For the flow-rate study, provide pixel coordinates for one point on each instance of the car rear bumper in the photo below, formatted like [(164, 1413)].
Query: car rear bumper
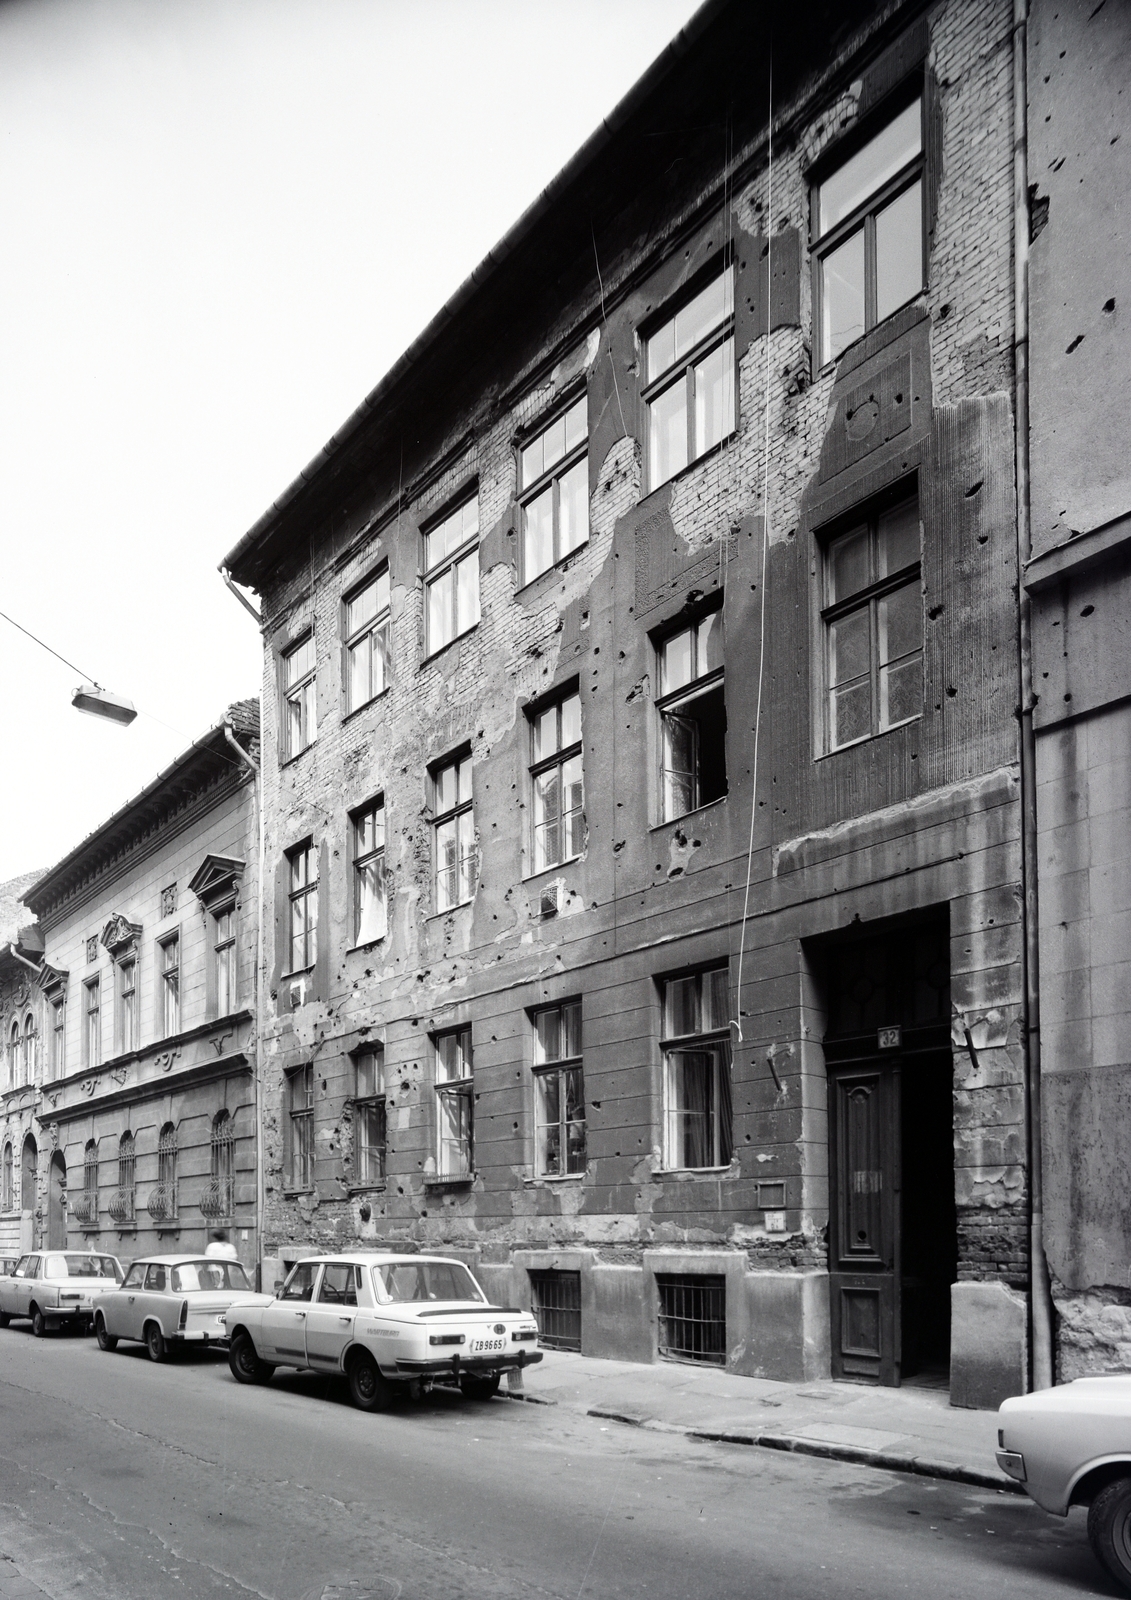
[(457, 1366)]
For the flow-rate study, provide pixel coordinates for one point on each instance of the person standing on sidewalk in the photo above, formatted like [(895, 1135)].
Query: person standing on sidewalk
[(220, 1245)]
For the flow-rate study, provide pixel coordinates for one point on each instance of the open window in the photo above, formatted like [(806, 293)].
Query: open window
[(692, 711)]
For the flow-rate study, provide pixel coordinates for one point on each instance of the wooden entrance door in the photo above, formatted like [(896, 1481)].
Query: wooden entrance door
[(864, 1192)]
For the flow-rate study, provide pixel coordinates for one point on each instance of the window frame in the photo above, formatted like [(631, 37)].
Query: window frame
[(223, 955), (127, 1162), (14, 1053), (165, 973), (379, 622), (58, 1004), (29, 1050), (222, 1161), (863, 216), (307, 891), (716, 1041), (550, 478), (868, 515), (359, 861), (299, 1154), (559, 1066), (537, 768), (90, 1186), (303, 692), (462, 1091), (452, 815), (372, 1104), (668, 703), (682, 368), (7, 1177), (457, 556), (126, 1001), (92, 1021)]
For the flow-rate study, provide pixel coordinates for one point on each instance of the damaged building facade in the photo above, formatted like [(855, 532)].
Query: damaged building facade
[(643, 878)]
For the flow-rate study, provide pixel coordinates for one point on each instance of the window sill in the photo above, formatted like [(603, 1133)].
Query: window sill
[(463, 1181), (853, 744), (348, 716), (559, 566), (529, 877), (367, 1188), (289, 761), (677, 477), (297, 1194), (877, 338), (369, 944), (426, 661), (694, 1172), (673, 822), (299, 972), (556, 1177), (460, 905)]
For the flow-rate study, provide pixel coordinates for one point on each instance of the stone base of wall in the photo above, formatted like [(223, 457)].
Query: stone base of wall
[(989, 1344), (1093, 1332)]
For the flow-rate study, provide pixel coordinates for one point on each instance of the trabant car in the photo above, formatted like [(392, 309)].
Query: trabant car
[(57, 1287), (387, 1322), (1071, 1446), (168, 1301)]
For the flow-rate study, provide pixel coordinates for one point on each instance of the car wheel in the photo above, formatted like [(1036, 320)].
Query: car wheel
[(480, 1388), (106, 1341), (368, 1389), (1109, 1530), (244, 1364), (38, 1322), (155, 1342)]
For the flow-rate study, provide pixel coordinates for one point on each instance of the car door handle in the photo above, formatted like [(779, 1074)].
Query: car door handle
[(131, 1299), (345, 1319), (300, 1313)]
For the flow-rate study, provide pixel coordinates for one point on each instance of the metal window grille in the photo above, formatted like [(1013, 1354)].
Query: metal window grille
[(557, 1308), (693, 1320)]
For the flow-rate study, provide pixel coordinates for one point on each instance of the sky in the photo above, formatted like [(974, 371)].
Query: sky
[(223, 222)]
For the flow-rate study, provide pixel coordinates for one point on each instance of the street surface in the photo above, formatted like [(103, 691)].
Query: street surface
[(122, 1480)]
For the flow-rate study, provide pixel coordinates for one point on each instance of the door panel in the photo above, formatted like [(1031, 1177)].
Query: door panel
[(864, 1234), (284, 1333)]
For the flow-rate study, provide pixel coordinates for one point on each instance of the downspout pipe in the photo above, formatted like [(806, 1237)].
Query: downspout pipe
[(32, 966), (260, 1198), (240, 596), (1040, 1297)]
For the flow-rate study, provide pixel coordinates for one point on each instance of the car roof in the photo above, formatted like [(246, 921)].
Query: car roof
[(63, 1250), (376, 1258), (176, 1260)]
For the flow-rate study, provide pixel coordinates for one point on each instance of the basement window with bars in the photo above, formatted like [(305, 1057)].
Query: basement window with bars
[(696, 1052), (556, 1299), (693, 1317)]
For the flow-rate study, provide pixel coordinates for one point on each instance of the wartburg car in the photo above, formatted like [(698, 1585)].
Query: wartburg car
[(1071, 1446), (169, 1301), (388, 1323), (55, 1288)]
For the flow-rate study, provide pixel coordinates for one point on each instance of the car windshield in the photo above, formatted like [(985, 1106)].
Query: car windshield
[(82, 1267), (425, 1280), (213, 1273)]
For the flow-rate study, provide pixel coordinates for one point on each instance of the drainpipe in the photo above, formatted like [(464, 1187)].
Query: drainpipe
[(32, 966), (260, 1197), (1040, 1299), (242, 598)]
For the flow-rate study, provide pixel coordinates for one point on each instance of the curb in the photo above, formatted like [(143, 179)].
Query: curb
[(887, 1460)]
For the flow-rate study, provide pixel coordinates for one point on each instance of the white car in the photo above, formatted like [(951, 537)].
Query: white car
[(1071, 1446), (167, 1301), (388, 1323), (57, 1287)]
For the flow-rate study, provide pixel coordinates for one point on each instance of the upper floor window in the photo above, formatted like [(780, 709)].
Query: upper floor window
[(299, 708), (302, 867), (696, 1051), (873, 625), (31, 1040), (170, 949), (454, 1094), (451, 575), (457, 861), (7, 1196), (58, 1036), (367, 827), (556, 781), (693, 723), (369, 1116), (14, 1056), (367, 641), (867, 230), (689, 380), (560, 1090), (554, 491), (224, 958), (127, 1004), (92, 1023), (300, 1154)]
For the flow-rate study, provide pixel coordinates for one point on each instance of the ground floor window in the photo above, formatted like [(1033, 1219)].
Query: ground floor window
[(557, 1308), (693, 1317)]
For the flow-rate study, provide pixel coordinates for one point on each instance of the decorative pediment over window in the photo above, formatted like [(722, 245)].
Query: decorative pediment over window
[(215, 876), (120, 934), (51, 978)]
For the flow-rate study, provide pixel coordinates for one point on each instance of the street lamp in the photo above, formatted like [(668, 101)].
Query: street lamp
[(99, 702)]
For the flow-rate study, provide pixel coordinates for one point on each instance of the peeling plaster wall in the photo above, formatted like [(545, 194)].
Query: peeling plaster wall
[(923, 816)]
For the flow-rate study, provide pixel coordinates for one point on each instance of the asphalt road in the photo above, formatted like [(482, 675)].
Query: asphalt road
[(121, 1480)]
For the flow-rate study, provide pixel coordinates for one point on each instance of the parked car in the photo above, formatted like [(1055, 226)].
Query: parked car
[(389, 1323), (1071, 1446), (57, 1287), (165, 1301)]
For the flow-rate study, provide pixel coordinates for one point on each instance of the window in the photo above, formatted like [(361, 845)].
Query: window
[(7, 1198), (556, 1305), (127, 1004), (689, 380), (90, 1183), (693, 720), (451, 575), (554, 491), (300, 1094), (58, 1036), (300, 1282), (867, 227), (873, 624), (560, 1090), (555, 774), (300, 716), (454, 1103), (30, 1041), (457, 862), (156, 1278), (170, 986), (369, 1117), (339, 1285), (696, 1051), (303, 871), (367, 641), (92, 1033), (693, 1317), (368, 829), (224, 958), (122, 1203), (220, 1196), (403, 1282), (163, 1201), (14, 1056)]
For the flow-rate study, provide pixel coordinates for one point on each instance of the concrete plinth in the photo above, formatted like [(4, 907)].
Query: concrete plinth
[(989, 1344)]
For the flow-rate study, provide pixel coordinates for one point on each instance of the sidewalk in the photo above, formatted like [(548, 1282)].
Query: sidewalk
[(902, 1430)]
